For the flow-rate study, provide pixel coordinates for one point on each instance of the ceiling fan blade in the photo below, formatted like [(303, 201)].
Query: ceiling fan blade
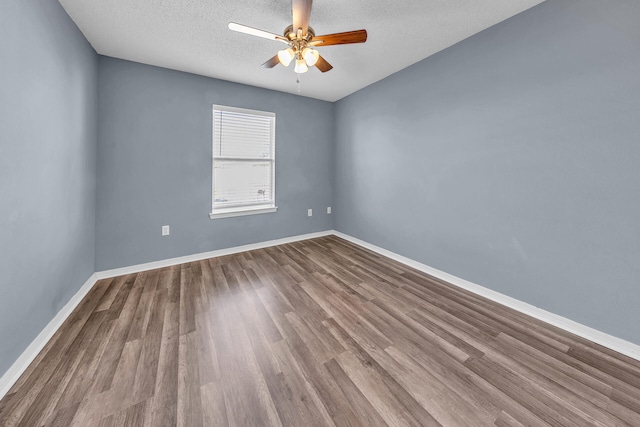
[(256, 32), (301, 11), (323, 65), (348, 37), (272, 62)]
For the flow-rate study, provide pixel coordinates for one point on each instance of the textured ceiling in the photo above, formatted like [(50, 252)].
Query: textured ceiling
[(192, 36)]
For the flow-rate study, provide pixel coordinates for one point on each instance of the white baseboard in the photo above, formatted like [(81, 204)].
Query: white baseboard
[(614, 343), (204, 255), (19, 366)]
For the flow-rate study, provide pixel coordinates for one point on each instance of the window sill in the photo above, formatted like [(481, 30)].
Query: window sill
[(228, 213)]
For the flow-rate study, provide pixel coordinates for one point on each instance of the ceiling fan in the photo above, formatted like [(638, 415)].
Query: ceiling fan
[(302, 40)]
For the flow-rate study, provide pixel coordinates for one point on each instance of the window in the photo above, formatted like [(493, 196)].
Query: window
[(243, 162)]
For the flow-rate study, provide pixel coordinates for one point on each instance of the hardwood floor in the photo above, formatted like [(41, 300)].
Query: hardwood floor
[(319, 332)]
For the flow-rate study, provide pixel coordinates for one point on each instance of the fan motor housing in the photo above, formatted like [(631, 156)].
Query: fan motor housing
[(290, 34)]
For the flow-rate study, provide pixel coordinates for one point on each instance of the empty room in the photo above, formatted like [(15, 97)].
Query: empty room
[(319, 213)]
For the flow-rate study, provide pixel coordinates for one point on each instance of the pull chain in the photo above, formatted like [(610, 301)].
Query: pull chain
[(298, 82)]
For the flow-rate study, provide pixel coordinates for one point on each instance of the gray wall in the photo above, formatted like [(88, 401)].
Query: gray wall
[(511, 160), (154, 164), (48, 81)]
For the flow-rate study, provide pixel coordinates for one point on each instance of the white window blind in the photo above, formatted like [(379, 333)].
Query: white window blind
[(243, 161)]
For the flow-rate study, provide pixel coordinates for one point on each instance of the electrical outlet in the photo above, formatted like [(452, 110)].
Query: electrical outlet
[(329, 210), (309, 212), (165, 230)]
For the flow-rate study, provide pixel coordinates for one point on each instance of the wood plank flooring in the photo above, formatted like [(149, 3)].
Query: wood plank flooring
[(319, 332)]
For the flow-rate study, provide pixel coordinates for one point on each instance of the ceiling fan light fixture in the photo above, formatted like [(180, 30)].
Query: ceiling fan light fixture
[(285, 56), (301, 40), (310, 56), (301, 66)]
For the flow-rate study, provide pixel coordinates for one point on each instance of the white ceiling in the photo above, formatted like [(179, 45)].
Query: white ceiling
[(192, 36)]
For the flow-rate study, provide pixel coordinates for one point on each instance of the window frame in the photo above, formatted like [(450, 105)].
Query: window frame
[(243, 208)]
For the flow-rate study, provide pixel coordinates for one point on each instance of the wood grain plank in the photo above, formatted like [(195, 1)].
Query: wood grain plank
[(316, 332)]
